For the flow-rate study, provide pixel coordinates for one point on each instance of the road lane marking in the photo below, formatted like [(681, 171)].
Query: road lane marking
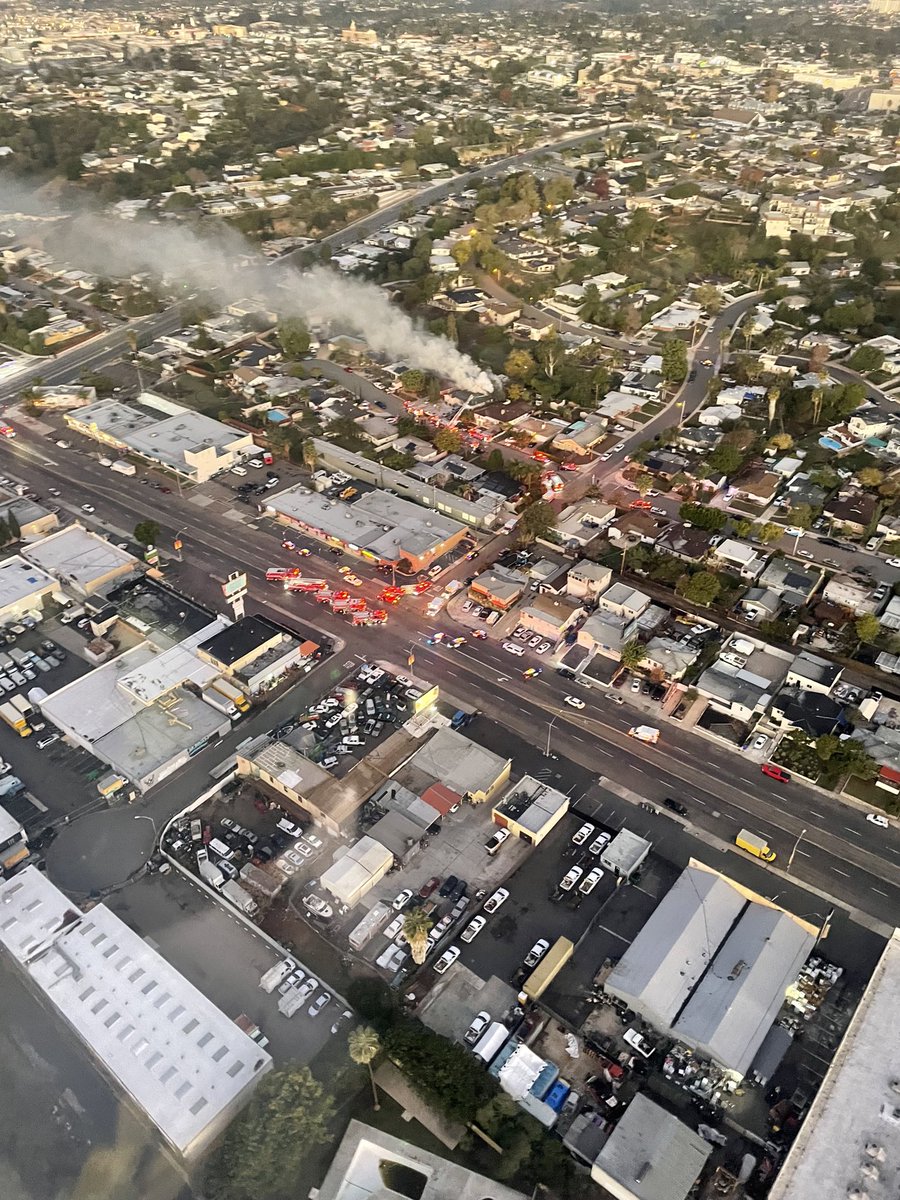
[(838, 871), (880, 892)]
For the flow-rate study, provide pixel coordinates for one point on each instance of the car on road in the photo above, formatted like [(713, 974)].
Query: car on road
[(606, 456), (878, 819), (494, 901), (590, 881), (401, 900), (479, 1024), (637, 1042), (446, 961), (571, 877), (675, 806), (582, 835), (473, 929), (88, 508), (616, 699), (354, 579), (321, 1001), (573, 701), (893, 562), (776, 772), (537, 952), (511, 648)]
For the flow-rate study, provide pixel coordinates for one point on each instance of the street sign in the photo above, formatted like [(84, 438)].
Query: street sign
[(177, 543), (235, 586), (151, 556)]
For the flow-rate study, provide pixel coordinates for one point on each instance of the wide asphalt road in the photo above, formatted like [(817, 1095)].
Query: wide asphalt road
[(840, 852)]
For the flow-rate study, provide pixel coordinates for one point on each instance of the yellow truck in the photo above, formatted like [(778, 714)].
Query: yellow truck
[(755, 845), (548, 968)]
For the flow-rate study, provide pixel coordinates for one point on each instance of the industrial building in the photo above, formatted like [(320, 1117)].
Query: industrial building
[(177, 1058), (357, 871), (162, 432), (849, 1144), (711, 966), (650, 1155), (80, 559), (255, 652), (377, 526), (531, 810), (23, 586), (472, 772)]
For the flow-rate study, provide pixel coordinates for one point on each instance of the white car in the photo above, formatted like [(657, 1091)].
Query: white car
[(573, 701), (401, 900), (569, 880), (543, 648), (87, 508), (760, 742), (583, 834), (599, 844), (446, 961), (877, 819), (323, 999), (606, 456), (614, 698), (479, 1024), (392, 930), (496, 900), (537, 952), (893, 562), (634, 1039), (473, 929), (510, 648), (590, 881)]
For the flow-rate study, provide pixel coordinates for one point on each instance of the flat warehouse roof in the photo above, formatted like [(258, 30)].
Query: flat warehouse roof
[(78, 556), (19, 580), (182, 1060)]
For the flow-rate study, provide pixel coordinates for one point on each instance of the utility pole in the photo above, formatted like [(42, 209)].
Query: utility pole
[(800, 837), (549, 730)]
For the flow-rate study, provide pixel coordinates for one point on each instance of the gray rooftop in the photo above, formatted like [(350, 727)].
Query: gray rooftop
[(19, 581), (76, 555), (450, 758), (387, 526), (650, 1154)]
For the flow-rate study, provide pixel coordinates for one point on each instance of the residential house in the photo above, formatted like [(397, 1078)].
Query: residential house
[(622, 600), (809, 672), (636, 525), (580, 437), (587, 580), (668, 657), (852, 512), (757, 486), (734, 555), (687, 543), (551, 616), (850, 594), (699, 439), (796, 585), (666, 463), (607, 633), (735, 693), (761, 604), (811, 712), (580, 523)]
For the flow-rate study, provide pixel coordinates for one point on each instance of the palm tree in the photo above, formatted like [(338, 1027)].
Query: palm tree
[(773, 395), (416, 926), (363, 1045)]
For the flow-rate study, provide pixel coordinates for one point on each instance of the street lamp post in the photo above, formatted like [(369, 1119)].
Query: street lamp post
[(800, 837), (549, 730)]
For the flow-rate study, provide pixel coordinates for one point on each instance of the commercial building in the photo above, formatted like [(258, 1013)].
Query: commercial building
[(33, 520), (13, 841), (500, 587), (470, 771), (177, 1058), (712, 965), (650, 1155), (482, 512), (116, 714), (22, 586), (162, 432), (377, 526), (531, 810), (82, 560), (371, 1165), (357, 871), (849, 1144), (255, 652)]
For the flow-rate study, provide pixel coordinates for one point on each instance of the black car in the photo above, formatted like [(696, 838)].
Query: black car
[(692, 376), (460, 890), (830, 542), (675, 806), (448, 885)]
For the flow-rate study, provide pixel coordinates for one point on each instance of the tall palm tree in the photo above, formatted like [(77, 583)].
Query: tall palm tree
[(363, 1046), (416, 926)]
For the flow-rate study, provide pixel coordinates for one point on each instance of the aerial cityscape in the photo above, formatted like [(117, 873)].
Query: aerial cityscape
[(450, 601)]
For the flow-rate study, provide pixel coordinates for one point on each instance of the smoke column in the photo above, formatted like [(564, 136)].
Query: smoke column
[(224, 264)]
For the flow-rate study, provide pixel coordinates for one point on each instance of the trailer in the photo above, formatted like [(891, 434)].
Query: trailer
[(270, 979), (232, 693), (240, 898), (222, 704), (14, 719), (371, 923), (122, 467), (291, 1002), (548, 968)]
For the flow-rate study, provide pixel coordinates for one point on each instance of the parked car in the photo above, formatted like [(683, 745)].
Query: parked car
[(428, 887), (600, 842), (537, 952), (479, 1024), (401, 900), (638, 1043), (321, 1001), (878, 819), (473, 929), (494, 901), (675, 806), (569, 880), (590, 881), (582, 835), (446, 961), (776, 772)]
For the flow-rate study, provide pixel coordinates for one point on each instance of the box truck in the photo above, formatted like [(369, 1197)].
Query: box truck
[(755, 845), (644, 733)]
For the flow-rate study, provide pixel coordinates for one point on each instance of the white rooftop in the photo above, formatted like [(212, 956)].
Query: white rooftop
[(850, 1141), (75, 555), (181, 1060), (19, 580), (170, 668)]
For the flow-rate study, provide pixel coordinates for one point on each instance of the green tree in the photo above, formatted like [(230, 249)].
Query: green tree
[(443, 1071), (866, 358), (12, 521), (520, 365), (416, 927), (265, 1149), (703, 517), (414, 381), (535, 521), (448, 441), (870, 477), (725, 459), (644, 484), (593, 309), (674, 361), (633, 654), (293, 337), (781, 441), (709, 297), (802, 516), (147, 533), (364, 1046), (310, 454), (769, 532), (867, 628), (701, 588), (494, 461)]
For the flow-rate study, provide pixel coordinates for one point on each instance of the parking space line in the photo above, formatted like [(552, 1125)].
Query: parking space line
[(614, 933)]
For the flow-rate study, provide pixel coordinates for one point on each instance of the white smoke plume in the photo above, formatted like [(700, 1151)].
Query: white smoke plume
[(224, 264)]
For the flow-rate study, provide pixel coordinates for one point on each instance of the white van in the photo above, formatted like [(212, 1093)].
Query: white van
[(239, 470)]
